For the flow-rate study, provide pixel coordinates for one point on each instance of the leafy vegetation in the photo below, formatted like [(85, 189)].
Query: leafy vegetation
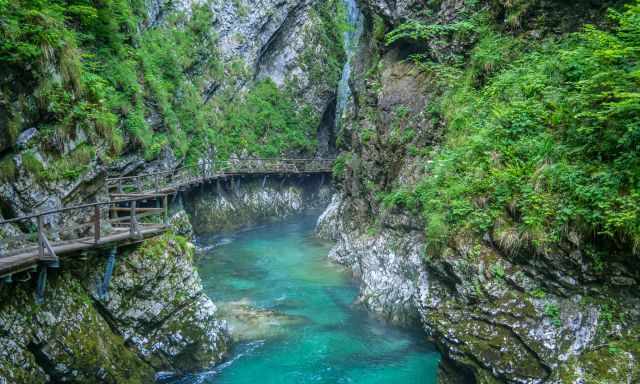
[(266, 122), (332, 23), (99, 68), (553, 312), (541, 138)]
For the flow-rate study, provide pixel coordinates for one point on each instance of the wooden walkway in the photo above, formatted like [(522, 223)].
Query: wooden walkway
[(169, 182), (32, 239), (138, 209)]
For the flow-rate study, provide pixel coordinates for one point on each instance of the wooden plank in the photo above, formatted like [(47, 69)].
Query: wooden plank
[(125, 209), (20, 262)]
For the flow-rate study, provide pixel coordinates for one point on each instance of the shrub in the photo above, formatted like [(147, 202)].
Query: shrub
[(551, 140)]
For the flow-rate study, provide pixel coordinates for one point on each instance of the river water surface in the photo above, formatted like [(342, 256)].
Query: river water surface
[(307, 329)]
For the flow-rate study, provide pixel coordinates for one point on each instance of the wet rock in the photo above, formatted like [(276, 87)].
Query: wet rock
[(156, 302), (25, 137), (483, 311), (239, 202), (155, 317), (247, 322), (65, 339), (181, 225)]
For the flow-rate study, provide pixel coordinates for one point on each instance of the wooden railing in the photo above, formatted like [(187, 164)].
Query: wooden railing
[(94, 224), (167, 181), (138, 209)]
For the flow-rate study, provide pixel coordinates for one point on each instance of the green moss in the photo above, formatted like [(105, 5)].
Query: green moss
[(327, 33), (71, 330), (156, 247), (73, 165), (33, 165), (615, 362), (114, 76), (379, 28), (8, 171)]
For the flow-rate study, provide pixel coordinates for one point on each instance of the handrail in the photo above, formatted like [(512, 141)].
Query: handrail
[(76, 207), (211, 162), (21, 242), (162, 183)]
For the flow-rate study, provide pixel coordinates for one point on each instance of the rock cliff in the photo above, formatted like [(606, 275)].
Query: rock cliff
[(153, 317), (241, 202), (497, 316), (47, 162)]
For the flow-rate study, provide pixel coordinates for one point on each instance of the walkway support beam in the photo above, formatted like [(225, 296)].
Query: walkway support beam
[(96, 223)]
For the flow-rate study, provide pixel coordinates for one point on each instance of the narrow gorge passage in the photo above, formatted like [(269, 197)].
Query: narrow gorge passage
[(293, 315)]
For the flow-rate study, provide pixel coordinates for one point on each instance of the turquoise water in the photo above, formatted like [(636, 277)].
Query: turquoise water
[(312, 331)]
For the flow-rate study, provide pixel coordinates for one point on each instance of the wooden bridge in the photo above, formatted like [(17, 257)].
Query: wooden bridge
[(137, 209), (169, 182)]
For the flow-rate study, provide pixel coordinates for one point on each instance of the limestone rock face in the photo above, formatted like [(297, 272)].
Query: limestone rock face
[(65, 339), (247, 201), (156, 302), (485, 312), (497, 315), (283, 40)]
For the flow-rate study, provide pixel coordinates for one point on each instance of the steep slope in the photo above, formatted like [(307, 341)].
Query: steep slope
[(488, 190), (154, 317), (91, 88)]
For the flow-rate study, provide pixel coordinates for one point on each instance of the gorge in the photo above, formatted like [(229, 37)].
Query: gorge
[(481, 224)]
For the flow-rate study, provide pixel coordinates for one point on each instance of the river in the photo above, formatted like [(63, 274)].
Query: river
[(295, 313)]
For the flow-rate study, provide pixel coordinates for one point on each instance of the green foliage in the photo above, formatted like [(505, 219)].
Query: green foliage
[(551, 140), (332, 23), (340, 164), (400, 198), (72, 166), (553, 311), (538, 293), (366, 135), (610, 314), (498, 271), (33, 165), (266, 122), (419, 31), (428, 35), (7, 169), (379, 28), (95, 66)]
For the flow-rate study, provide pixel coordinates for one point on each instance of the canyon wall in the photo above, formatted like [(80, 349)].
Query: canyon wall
[(499, 311), (151, 316)]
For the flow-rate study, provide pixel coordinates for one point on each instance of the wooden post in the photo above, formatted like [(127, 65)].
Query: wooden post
[(165, 212), (133, 229), (96, 223), (157, 183), (40, 220), (120, 186)]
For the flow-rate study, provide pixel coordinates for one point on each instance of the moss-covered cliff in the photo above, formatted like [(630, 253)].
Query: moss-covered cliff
[(154, 318), (488, 184), (96, 87)]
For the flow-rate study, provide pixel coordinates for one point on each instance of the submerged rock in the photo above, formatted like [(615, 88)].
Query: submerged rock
[(247, 322)]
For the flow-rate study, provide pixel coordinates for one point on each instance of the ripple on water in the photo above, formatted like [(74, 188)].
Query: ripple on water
[(294, 314)]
